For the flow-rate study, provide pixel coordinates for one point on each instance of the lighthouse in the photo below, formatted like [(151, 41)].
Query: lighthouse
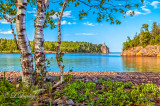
[(104, 48)]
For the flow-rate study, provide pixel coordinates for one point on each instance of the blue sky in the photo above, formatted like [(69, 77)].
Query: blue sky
[(88, 29)]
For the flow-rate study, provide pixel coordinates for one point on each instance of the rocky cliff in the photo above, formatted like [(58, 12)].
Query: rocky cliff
[(150, 51), (104, 48)]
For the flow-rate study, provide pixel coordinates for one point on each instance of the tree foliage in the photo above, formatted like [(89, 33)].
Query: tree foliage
[(107, 10), (145, 37), (9, 46)]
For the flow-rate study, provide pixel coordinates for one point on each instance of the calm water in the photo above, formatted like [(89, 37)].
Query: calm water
[(90, 62)]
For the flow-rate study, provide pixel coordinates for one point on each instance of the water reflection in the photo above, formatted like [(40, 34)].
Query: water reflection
[(141, 64), (91, 62)]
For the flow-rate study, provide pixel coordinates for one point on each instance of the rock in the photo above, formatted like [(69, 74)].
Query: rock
[(70, 102), (17, 86), (65, 97), (19, 79), (96, 81), (51, 78), (104, 49), (152, 100), (1, 78), (54, 102), (60, 102), (149, 51)]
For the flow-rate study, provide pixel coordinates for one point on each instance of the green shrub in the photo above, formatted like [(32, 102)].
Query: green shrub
[(112, 93), (9, 96)]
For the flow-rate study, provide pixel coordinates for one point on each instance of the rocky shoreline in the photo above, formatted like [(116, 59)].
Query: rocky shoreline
[(148, 51), (136, 77)]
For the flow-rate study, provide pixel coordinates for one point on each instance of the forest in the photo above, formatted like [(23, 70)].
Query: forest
[(145, 37), (9, 46)]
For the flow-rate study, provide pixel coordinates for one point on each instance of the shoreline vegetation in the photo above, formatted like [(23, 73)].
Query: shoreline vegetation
[(88, 88), (146, 43), (67, 47), (48, 52)]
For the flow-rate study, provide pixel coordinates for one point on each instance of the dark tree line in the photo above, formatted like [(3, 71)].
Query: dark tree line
[(145, 37), (9, 46)]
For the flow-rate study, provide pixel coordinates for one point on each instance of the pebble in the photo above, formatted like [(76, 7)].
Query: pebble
[(135, 77), (70, 102)]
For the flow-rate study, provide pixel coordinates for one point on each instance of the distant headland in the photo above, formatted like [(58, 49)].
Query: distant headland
[(67, 47)]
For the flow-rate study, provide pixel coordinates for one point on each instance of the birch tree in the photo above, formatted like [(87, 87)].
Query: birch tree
[(40, 64), (24, 45), (58, 52), (7, 13)]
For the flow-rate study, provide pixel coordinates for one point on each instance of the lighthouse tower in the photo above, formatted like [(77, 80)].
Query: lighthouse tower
[(104, 48)]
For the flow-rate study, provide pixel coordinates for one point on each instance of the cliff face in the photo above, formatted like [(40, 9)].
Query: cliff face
[(104, 49), (150, 51)]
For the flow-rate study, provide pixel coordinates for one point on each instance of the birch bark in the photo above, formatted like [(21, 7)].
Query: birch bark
[(40, 64), (24, 45)]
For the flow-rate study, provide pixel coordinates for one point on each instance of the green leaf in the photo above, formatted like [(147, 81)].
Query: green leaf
[(76, 4), (61, 4)]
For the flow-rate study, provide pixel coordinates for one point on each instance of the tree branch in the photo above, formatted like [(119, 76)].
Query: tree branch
[(11, 24)]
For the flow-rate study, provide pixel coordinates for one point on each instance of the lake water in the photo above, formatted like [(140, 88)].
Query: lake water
[(89, 62)]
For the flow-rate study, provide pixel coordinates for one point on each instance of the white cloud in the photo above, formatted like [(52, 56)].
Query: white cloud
[(65, 14), (147, 11), (31, 12), (54, 16), (136, 12), (3, 21), (150, 20), (144, 10), (6, 32), (84, 34), (155, 4), (90, 24), (63, 22), (69, 23)]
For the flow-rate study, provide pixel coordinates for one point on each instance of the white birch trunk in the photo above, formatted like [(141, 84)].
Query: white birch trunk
[(24, 45), (40, 64)]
